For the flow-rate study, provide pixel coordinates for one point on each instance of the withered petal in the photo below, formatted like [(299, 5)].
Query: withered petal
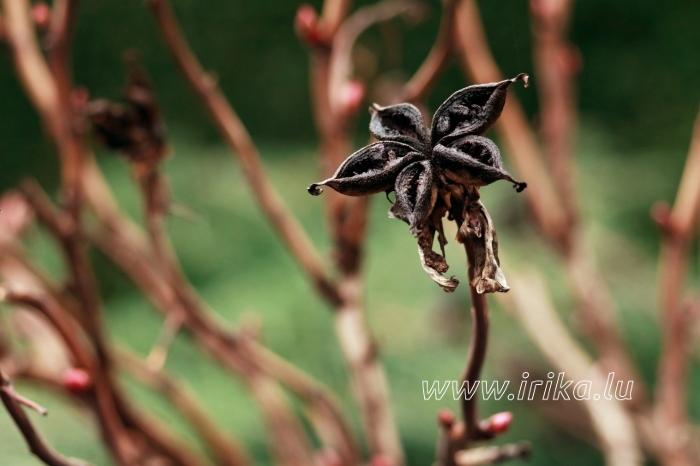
[(433, 263), (473, 161), (370, 170), (416, 193), (478, 227), (401, 123), (471, 111)]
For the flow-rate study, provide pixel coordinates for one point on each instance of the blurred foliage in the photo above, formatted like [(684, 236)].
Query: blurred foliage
[(639, 82)]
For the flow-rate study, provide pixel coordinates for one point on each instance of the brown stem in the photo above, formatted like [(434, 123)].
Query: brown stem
[(492, 455), (678, 227), (35, 441), (367, 375), (477, 350), (238, 139), (437, 60), (557, 62), (323, 410)]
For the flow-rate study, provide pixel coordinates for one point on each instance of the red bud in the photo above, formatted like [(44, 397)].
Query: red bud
[(328, 457), (446, 418), (15, 214), (497, 424), (380, 460), (76, 380), (306, 25), (351, 96), (41, 15)]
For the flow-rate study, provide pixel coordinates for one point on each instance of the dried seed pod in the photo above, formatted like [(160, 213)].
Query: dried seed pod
[(473, 161), (436, 171), (401, 123), (370, 170), (416, 193), (471, 111)]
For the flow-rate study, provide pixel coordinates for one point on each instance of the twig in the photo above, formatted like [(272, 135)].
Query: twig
[(512, 126), (438, 58), (126, 245), (333, 14), (556, 63), (612, 424), (324, 412), (239, 141), (71, 333), (35, 441), (340, 70), (159, 353), (226, 450), (367, 375), (678, 227), (492, 455), (59, 44)]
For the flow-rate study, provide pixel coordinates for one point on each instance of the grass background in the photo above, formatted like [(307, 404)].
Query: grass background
[(240, 268)]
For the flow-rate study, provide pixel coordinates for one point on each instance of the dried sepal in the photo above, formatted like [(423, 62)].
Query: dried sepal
[(478, 227), (370, 170), (433, 263), (471, 111), (416, 193), (401, 123), (473, 161)]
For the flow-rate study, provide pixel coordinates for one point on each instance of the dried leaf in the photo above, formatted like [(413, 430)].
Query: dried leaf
[(470, 111), (433, 263), (477, 226), (370, 170), (401, 123)]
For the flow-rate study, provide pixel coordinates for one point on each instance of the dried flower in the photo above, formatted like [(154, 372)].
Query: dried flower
[(435, 172), (136, 130)]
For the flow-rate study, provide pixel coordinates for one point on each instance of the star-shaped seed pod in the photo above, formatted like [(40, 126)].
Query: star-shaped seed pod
[(434, 172)]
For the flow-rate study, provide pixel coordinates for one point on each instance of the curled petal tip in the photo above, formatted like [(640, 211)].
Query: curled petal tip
[(519, 187), (522, 77), (314, 190)]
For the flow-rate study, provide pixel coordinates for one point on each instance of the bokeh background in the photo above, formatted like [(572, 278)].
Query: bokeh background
[(639, 91)]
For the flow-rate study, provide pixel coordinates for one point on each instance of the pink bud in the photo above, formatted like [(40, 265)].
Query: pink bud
[(380, 460), (351, 96), (328, 457), (76, 380), (446, 417), (79, 97), (497, 424), (15, 214), (41, 15), (306, 25)]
